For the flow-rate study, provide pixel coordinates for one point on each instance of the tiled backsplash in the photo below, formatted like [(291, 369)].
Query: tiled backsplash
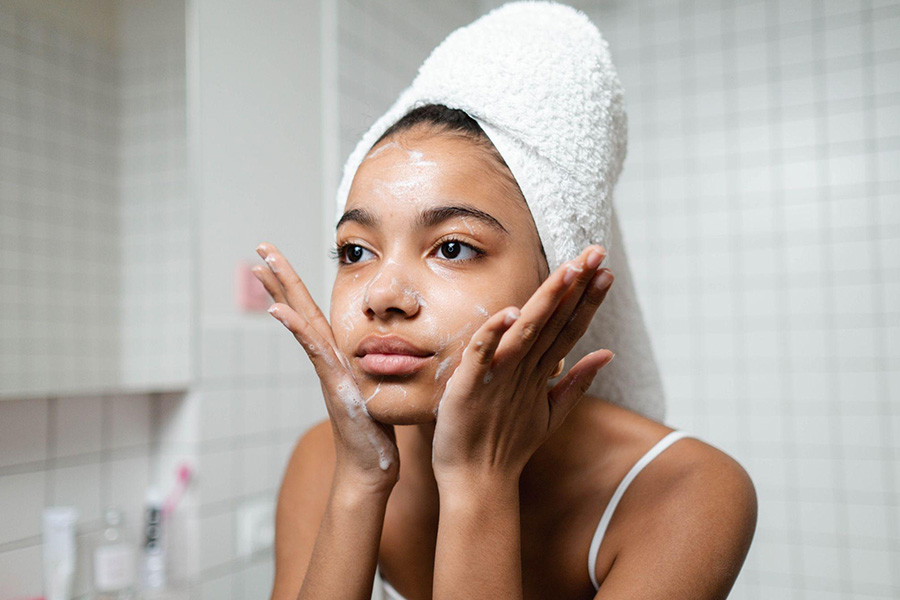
[(88, 452)]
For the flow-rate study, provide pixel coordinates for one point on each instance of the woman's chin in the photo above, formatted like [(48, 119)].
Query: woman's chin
[(399, 404)]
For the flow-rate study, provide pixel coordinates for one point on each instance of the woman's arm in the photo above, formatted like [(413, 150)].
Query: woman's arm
[(479, 548), (326, 536), (346, 550)]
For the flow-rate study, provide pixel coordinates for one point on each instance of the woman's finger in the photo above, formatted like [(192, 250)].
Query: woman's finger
[(484, 343), (580, 320), (298, 297), (318, 349), (582, 274), (539, 308), (570, 389), (270, 282)]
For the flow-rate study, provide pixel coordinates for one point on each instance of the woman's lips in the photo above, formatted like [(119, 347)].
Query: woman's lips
[(393, 364)]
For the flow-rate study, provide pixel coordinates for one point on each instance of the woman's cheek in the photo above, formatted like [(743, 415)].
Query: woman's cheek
[(346, 309)]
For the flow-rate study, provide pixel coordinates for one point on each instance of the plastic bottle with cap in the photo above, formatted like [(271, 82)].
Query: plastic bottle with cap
[(114, 560), (59, 551)]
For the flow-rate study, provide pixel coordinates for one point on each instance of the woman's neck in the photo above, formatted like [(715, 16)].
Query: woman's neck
[(417, 474)]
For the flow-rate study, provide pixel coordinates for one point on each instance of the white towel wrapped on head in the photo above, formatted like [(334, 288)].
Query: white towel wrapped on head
[(538, 78)]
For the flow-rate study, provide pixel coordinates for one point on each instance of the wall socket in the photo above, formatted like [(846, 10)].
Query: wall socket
[(254, 527)]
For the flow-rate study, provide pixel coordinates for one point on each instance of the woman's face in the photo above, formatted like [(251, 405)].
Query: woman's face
[(432, 243)]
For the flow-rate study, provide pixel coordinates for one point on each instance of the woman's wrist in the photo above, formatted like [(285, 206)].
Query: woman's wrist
[(351, 488), (475, 486)]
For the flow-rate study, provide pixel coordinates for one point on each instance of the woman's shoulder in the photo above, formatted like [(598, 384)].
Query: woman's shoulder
[(692, 496), (684, 484)]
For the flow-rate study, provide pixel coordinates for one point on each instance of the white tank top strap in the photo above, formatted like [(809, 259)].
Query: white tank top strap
[(620, 490), (389, 592)]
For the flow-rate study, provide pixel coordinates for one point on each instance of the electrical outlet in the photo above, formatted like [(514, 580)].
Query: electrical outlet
[(255, 527)]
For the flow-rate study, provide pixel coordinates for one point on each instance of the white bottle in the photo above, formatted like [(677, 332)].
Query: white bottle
[(153, 550), (114, 560), (59, 551)]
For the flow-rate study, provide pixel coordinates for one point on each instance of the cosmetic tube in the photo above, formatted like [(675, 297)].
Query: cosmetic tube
[(153, 555), (59, 551)]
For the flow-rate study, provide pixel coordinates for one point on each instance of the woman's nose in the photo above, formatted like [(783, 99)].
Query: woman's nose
[(391, 292)]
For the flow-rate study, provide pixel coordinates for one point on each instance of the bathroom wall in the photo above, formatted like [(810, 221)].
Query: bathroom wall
[(59, 231), (761, 207), (92, 185), (255, 149), (155, 212), (96, 292)]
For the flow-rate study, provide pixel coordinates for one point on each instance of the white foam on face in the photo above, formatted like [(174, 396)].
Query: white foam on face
[(417, 296), (371, 281), (415, 159), (465, 221), (355, 307), (442, 367), (377, 388), (378, 151), (424, 173)]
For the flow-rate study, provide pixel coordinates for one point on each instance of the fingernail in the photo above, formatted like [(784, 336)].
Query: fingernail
[(571, 272), (261, 250), (270, 260), (272, 310), (593, 258), (511, 317), (604, 279)]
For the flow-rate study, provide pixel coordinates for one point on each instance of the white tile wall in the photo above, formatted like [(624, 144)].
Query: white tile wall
[(82, 463), (380, 48), (95, 218), (156, 217), (92, 148), (759, 202), (58, 215)]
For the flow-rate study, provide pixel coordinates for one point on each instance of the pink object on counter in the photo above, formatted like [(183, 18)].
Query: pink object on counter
[(250, 293)]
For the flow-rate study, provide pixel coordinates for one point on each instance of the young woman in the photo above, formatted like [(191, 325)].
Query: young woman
[(470, 218), (493, 481)]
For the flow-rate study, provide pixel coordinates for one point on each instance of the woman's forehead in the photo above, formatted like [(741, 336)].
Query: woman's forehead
[(414, 176)]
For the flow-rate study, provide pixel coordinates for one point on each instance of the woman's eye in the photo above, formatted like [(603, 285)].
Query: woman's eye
[(353, 253), (453, 248)]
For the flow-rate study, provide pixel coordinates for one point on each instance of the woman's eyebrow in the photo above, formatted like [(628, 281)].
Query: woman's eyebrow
[(427, 218)]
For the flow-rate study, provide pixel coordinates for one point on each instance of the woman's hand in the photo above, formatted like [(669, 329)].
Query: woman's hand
[(366, 449), (496, 410)]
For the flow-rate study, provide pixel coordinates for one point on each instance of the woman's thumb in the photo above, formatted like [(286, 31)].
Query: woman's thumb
[(571, 388)]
